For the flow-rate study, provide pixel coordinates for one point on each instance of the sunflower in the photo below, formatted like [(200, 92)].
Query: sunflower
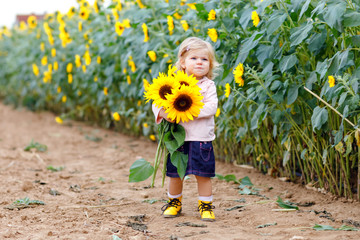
[(35, 69), (212, 15), (119, 28), (71, 12), (146, 32), (32, 21), (170, 22), (227, 90), (184, 104), (186, 80), (238, 73), (331, 81), (152, 55), (160, 88), (84, 13), (255, 18), (185, 25), (212, 34)]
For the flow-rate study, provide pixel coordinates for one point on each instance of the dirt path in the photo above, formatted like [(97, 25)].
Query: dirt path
[(95, 174)]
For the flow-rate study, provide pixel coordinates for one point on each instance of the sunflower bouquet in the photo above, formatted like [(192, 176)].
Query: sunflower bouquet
[(178, 94)]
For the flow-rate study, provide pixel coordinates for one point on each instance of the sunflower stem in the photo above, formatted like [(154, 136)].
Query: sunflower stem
[(164, 166), (157, 155)]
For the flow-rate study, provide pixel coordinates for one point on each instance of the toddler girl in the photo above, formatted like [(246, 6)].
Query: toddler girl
[(196, 57)]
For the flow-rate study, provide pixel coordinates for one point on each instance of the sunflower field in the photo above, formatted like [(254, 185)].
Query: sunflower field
[(288, 86)]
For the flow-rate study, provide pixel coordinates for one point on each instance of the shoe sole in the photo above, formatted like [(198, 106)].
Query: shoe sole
[(208, 220), (172, 216)]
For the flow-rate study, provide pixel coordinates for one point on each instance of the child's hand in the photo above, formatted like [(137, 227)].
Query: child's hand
[(164, 115)]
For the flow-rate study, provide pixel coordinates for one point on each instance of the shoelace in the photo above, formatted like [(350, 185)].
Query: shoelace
[(205, 207), (172, 203)]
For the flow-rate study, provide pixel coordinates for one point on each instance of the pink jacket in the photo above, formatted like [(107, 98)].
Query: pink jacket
[(202, 127)]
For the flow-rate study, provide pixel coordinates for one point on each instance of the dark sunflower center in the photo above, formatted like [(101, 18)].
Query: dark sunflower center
[(121, 28), (184, 83), (82, 13), (166, 89), (183, 102)]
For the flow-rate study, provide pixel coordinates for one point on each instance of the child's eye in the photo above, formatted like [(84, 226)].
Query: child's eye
[(193, 58), (204, 59)]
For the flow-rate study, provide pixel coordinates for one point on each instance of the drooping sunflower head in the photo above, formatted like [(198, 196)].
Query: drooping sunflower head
[(184, 104), (160, 88)]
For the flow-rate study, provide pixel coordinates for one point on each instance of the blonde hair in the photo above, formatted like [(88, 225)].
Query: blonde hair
[(194, 43)]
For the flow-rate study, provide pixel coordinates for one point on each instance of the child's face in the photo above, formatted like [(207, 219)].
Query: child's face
[(197, 62)]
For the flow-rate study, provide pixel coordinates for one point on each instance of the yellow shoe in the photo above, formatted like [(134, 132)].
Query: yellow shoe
[(172, 208), (206, 211)]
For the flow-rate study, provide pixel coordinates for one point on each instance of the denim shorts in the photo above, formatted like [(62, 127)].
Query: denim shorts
[(201, 160)]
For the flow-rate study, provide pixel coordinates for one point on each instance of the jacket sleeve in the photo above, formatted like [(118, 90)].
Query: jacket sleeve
[(156, 112), (210, 101)]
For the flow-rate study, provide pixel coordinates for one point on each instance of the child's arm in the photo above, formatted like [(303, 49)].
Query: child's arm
[(159, 114), (210, 101)]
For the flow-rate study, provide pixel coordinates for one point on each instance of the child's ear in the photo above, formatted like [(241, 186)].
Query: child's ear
[(182, 63)]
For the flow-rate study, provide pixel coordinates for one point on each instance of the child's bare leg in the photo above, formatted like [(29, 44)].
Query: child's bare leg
[(204, 186), (175, 186)]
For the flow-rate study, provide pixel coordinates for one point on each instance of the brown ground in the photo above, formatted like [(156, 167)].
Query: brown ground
[(97, 202)]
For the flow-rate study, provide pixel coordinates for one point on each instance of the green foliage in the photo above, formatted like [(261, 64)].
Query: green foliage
[(271, 122), (24, 203), (319, 227), (35, 145), (282, 204), (55, 169), (140, 170)]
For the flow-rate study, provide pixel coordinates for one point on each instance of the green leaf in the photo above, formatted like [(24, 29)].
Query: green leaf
[(287, 62), (319, 117), (55, 169), (170, 142), (285, 205), (246, 181), (319, 227), (246, 191), (39, 147), (219, 176), (292, 94), (140, 170), (299, 34), (263, 52), (178, 133), (304, 8), (334, 12), (247, 45), (322, 67), (317, 41), (352, 19), (180, 160), (356, 40), (348, 228), (114, 237), (275, 21), (231, 177)]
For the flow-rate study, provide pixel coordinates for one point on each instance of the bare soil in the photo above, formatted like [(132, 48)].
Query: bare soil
[(91, 197)]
